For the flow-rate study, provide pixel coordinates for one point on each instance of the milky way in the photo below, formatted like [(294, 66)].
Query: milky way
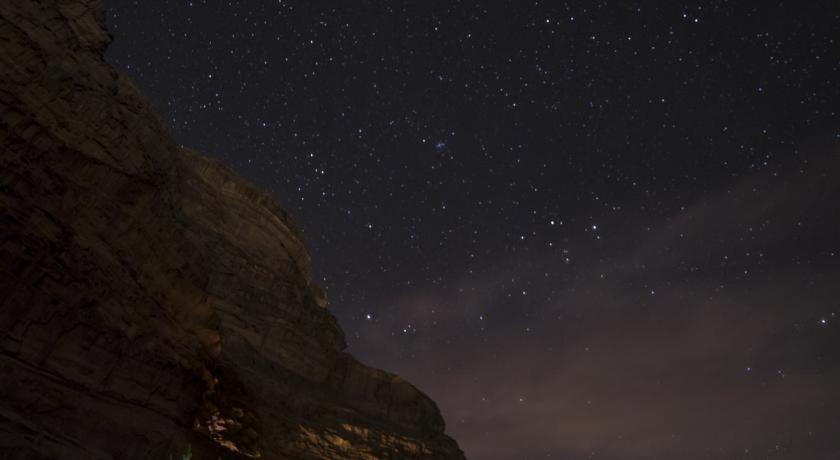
[(587, 229)]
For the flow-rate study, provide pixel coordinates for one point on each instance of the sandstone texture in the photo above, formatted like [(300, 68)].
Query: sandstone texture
[(152, 301)]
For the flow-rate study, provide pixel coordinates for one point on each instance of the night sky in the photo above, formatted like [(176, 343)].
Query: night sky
[(587, 229)]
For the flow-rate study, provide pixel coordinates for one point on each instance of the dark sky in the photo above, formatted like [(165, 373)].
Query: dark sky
[(587, 229)]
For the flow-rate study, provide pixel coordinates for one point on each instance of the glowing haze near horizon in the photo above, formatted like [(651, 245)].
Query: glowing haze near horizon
[(587, 229)]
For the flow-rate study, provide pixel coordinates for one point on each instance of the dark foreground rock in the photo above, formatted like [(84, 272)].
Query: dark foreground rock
[(150, 299)]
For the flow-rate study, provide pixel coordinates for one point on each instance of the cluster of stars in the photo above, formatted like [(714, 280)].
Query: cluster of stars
[(488, 180)]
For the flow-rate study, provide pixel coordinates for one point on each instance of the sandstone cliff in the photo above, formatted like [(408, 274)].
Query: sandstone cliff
[(151, 299)]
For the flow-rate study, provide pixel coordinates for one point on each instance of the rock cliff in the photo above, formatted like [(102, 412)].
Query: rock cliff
[(152, 301)]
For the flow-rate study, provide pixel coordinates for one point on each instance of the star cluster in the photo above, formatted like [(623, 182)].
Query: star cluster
[(587, 229)]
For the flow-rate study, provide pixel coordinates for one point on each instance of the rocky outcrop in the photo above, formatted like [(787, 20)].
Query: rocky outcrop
[(153, 301)]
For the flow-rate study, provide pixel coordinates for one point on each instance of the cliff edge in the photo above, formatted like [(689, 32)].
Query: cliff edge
[(153, 301)]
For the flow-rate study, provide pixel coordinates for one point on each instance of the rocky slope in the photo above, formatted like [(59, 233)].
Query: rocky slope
[(151, 299)]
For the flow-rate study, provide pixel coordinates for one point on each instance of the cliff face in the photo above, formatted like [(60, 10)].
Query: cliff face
[(151, 299)]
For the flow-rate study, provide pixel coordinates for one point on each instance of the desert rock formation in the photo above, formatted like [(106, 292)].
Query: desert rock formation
[(151, 299)]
